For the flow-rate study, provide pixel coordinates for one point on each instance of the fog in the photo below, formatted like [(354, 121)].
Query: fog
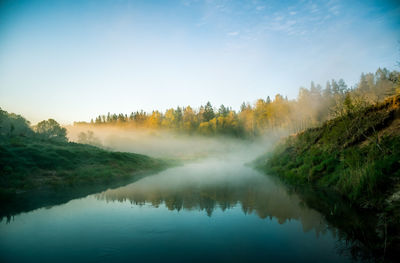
[(214, 173), (166, 144), (215, 177), (211, 184)]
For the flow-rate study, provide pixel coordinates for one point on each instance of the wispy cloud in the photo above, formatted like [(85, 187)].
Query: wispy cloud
[(260, 8), (232, 34), (189, 2), (335, 10), (314, 8)]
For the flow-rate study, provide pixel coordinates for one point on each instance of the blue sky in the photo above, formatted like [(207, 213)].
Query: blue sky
[(72, 60)]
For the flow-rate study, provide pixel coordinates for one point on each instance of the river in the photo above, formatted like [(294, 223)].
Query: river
[(215, 209)]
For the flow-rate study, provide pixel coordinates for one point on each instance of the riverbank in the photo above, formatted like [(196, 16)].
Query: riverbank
[(31, 163), (357, 156)]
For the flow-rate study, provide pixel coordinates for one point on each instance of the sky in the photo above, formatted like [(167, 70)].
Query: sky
[(73, 60)]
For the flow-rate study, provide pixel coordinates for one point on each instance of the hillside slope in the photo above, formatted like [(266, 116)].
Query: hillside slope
[(40, 156), (31, 163), (357, 156)]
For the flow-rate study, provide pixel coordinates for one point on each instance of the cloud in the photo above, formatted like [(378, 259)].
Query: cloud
[(314, 8), (232, 34), (260, 8), (292, 13), (334, 10), (188, 2)]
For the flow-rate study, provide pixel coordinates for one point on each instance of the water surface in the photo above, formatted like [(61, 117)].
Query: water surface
[(212, 210)]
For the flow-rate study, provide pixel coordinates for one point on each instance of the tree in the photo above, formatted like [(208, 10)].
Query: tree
[(223, 111), (178, 117), (208, 113), (261, 114), (342, 86), (14, 125), (121, 118), (154, 121), (50, 129), (327, 92), (169, 119), (189, 119), (246, 119), (88, 138), (335, 87), (98, 120)]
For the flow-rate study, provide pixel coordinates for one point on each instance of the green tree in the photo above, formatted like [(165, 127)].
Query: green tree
[(178, 117), (223, 111), (208, 113), (13, 124), (50, 129)]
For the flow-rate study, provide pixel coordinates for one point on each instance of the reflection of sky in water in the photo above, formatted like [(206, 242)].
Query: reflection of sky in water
[(202, 211)]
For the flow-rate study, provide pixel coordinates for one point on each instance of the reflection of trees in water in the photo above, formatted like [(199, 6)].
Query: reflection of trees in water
[(355, 232), (256, 195), (358, 231)]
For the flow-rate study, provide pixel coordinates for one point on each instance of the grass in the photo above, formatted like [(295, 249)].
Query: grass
[(28, 162), (357, 157), (350, 154)]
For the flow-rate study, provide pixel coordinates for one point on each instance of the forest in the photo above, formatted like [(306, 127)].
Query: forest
[(313, 106)]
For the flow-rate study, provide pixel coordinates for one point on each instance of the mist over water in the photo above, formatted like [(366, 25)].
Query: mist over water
[(168, 144), (211, 209), (215, 177), (218, 184)]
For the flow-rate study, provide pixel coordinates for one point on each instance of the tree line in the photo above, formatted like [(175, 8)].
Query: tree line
[(14, 125), (312, 106)]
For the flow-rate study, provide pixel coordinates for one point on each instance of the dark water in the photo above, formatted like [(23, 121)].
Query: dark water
[(214, 210)]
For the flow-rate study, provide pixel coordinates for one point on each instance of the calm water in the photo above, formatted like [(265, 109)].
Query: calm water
[(214, 210)]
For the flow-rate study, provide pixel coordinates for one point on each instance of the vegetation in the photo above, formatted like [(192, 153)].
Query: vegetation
[(88, 138), (356, 154), (50, 129), (312, 107), (43, 157)]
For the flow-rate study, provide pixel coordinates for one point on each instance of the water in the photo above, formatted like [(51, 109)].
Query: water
[(213, 210)]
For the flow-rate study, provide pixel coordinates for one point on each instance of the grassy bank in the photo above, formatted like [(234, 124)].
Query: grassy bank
[(40, 157), (31, 163), (356, 155)]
